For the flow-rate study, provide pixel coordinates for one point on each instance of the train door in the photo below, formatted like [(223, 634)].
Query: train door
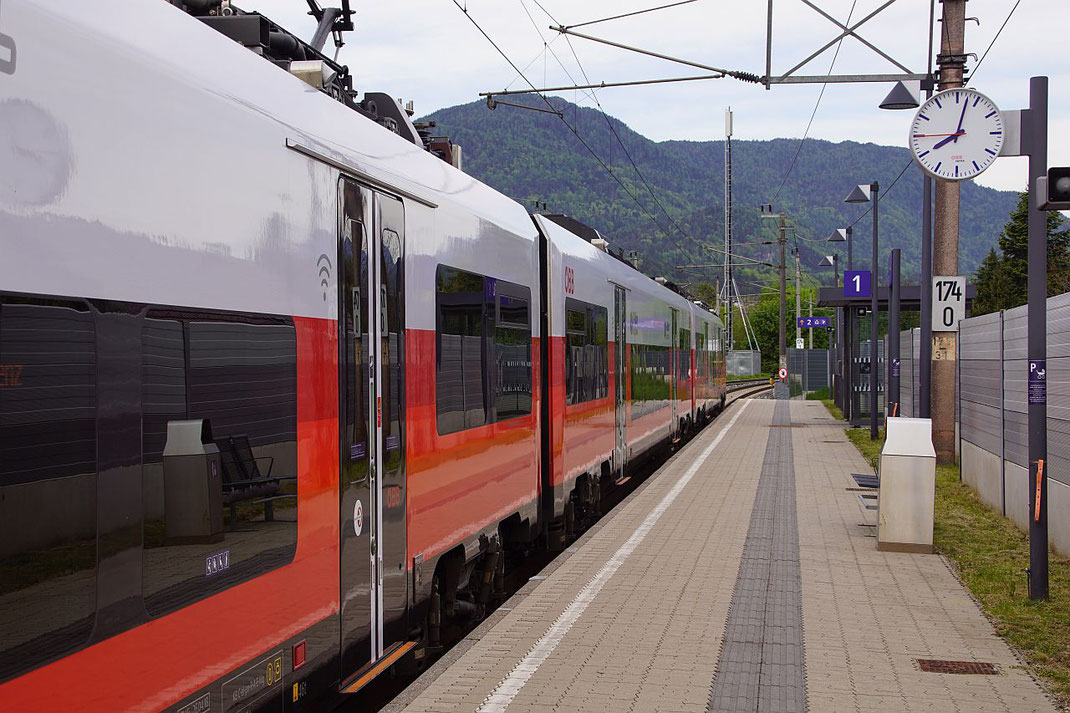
[(620, 454), (372, 474), (674, 367)]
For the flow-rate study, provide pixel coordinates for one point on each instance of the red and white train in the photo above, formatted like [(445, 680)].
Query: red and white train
[(281, 391)]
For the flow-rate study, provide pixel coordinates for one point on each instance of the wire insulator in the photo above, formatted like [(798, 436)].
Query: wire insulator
[(746, 77)]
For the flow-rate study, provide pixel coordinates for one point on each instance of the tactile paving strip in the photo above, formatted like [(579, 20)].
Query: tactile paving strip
[(761, 666)]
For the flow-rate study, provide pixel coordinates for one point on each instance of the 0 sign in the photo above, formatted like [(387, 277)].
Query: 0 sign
[(949, 303)]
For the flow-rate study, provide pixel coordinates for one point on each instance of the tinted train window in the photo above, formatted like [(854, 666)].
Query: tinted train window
[(586, 357), (48, 480), (481, 322), (650, 378), (512, 353), (219, 396), (683, 369), (459, 361)]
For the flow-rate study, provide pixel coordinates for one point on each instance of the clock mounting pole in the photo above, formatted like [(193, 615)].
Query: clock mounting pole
[(945, 255)]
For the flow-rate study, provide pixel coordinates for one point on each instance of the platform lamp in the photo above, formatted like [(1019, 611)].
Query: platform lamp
[(903, 97), (871, 194), (843, 235), (834, 262)]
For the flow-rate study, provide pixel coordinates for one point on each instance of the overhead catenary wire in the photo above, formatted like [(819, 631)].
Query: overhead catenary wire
[(629, 14), (989, 48), (817, 104), (560, 116), (627, 153)]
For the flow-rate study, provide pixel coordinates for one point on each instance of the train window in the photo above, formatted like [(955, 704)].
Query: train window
[(512, 352), (683, 368), (219, 403), (650, 378), (587, 357), (48, 480), (459, 365)]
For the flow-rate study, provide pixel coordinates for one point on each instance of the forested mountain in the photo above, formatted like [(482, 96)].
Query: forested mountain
[(534, 156)]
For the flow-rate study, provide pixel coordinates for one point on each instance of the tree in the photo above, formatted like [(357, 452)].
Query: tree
[(996, 289), (1001, 279)]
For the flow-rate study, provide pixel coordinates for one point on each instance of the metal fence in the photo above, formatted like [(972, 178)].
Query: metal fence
[(743, 362), (909, 373), (808, 370), (993, 416)]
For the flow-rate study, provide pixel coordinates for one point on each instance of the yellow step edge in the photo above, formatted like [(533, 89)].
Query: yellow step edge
[(390, 657)]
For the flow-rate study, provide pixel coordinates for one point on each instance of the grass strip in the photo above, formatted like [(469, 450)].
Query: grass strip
[(991, 555)]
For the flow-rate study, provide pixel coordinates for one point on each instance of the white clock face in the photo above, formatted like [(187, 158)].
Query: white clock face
[(956, 134)]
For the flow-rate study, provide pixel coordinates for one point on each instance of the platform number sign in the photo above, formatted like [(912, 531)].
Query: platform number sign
[(856, 283), (949, 303)]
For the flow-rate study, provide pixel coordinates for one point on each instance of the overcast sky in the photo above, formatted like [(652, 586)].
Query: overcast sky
[(427, 51)]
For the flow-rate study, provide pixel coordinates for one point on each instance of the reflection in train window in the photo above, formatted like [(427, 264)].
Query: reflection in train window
[(512, 353), (48, 480), (650, 378), (480, 321), (459, 351), (586, 357), (219, 399), (683, 366)]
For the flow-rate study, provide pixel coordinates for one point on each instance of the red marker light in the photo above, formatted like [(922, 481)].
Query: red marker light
[(299, 654)]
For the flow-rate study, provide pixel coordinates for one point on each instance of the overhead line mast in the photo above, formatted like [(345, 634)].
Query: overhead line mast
[(729, 291)]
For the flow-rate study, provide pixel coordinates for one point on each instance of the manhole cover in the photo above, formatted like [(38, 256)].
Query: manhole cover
[(939, 666)]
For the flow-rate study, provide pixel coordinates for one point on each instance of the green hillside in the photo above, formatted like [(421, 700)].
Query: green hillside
[(534, 156)]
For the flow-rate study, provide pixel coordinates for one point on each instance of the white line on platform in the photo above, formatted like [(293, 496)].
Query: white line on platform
[(510, 686)]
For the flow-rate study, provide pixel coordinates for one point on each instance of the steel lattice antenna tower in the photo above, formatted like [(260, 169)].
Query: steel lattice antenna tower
[(729, 283)]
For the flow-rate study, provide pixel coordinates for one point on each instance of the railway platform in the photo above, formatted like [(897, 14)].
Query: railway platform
[(742, 576)]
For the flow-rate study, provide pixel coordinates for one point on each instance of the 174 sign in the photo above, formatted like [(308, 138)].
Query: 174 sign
[(949, 303)]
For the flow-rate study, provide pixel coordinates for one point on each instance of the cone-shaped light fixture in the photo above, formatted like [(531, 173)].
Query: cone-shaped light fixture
[(839, 235), (900, 98), (860, 194)]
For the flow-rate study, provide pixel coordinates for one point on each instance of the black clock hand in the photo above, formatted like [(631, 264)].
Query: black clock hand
[(961, 117), (951, 137)]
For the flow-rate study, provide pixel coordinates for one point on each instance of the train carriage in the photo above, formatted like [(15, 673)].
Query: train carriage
[(207, 261), (275, 397)]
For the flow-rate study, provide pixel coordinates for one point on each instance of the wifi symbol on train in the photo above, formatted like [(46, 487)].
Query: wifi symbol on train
[(324, 265)]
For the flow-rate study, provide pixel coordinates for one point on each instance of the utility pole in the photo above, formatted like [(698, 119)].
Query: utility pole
[(729, 283), (783, 241), (951, 62), (798, 297)]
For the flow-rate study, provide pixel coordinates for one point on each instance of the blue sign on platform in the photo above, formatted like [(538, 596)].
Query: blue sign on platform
[(856, 283), (805, 322), (1038, 382)]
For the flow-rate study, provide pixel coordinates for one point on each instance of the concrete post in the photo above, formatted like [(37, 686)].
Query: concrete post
[(946, 241)]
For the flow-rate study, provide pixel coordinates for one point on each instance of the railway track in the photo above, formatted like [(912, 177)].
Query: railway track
[(746, 383)]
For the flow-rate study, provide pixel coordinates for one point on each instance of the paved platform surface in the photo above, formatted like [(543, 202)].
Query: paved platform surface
[(738, 578)]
